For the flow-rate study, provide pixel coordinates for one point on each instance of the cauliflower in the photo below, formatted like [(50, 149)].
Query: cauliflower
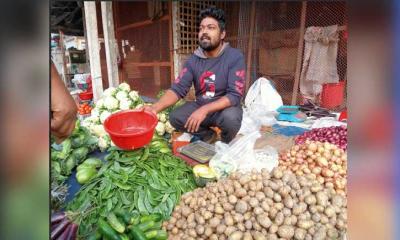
[(98, 130), (139, 106), (125, 104), (95, 113), (121, 95), (103, 143), (124, 87), (162, 117), (134, 95), (99, 104), (111, 103), (160, 128), (104, 115), (169, 128), (109, 92)]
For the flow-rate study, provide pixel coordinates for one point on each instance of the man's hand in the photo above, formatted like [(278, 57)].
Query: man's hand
[(63, 108), (150, 108), (194, 121)]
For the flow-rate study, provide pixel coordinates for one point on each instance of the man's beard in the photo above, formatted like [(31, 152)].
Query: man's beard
[(208, 45)]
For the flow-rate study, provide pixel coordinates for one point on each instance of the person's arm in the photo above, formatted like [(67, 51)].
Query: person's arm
[(233, 95), (63, 108), (178, 90)]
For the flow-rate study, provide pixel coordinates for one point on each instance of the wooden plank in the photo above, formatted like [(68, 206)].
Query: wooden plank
[(93, 48), (250, 44), (110, 43), (299, 52), (141, 24), (148, 64), (170, 42), (157, 76), (176, 38)]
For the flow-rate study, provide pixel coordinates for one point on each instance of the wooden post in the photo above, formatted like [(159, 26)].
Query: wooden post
[(175, 38), (109, 43), (64, 65), (250, 45), (299, 52), (170, 40), (93, 48)]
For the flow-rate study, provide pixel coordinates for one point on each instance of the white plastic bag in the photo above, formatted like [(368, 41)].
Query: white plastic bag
[(263, 93), (240, 156)]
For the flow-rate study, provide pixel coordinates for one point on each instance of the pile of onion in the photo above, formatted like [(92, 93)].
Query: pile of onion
[(324, 160), (335, 135)]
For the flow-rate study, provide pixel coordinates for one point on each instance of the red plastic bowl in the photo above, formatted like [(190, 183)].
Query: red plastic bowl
[(86, 95), (131, 129)]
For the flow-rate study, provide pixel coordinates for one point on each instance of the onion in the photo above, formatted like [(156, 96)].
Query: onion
[(334, 135)]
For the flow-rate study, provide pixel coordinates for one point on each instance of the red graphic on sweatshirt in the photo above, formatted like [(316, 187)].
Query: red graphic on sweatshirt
[(239, 84), (206, 80), (178, 79)]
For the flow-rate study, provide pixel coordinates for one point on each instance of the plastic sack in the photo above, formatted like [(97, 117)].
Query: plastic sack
[(261, 92), (255, 118), (240, 156)]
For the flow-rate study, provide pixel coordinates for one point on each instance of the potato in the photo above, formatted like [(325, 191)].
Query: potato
[(272, 236), (287, 221), (269, 192), (300, 234), (247, 215), (288, 202), (322, 198), (258, 236), (258, 210), (305, 224), (257, 226), (279, 218), (277, 173), (238, 218), (277, 197), (248, 224), (229, 220), (260, 196), (200, 229), (241, 207), (332, 233), (232, 199), (264, 220), (237, 235), (214, 222), (253, 202), (208, 231), (192, 233), (214, 237), (199, 219), (219, 210), (229, 230), (244, 179), (320, 234), (286, 231), (330, 211), (247, 236), (273, 228), (221, 229), (316, 217), (207, 215), (337, 200)]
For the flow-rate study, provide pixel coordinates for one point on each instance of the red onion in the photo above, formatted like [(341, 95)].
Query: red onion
[(335, 135)]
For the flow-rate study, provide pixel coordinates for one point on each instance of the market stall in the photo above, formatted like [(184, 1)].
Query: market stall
[(99, 189)]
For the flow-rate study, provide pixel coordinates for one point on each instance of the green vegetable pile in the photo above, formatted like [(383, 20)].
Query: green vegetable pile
[(64, 158), (149, 180), (125, 225)]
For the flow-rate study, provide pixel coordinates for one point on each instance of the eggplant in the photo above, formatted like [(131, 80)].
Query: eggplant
[(59, 229), (72, 232), (57, 217), (65, 233)]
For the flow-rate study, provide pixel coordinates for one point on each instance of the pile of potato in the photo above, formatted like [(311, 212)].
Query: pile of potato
[(324, 160), (260, 205)]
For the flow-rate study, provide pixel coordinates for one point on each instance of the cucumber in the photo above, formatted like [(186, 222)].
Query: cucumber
[(124, 215), (124, 236), (156, 235), (145, 226), (136, 233), (107, 231), (152, 217), (115, 223), (135, 220)]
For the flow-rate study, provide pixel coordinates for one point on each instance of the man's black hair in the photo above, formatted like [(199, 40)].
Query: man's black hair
[(216, 13)]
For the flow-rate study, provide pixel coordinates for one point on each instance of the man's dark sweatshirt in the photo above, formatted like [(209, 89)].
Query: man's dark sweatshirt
[(213, 78)]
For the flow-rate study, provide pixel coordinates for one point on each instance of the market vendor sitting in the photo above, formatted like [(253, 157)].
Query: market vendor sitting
[(217, 72)]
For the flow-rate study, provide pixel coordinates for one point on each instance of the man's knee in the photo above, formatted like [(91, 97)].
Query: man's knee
[(231, 118), (174, 119)]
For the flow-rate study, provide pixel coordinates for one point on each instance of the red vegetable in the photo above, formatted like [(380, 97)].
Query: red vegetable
[(335, 135)]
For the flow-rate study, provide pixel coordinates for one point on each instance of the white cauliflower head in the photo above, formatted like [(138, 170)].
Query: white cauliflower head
[(125, 104), (160, 128), (139, 106), (169, 128), (124, 87), (103, 143), (104, 115), (121, 95), (99, 104), (95, 112), (111, 103), (134, 95), (109, 92), (98, 130), (162, 117)]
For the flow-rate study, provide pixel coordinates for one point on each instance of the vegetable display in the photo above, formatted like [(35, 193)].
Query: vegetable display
[(84, 109), (87, 170), (120, 225), (325, 161), (335, 135), (260, 205), (149, 180), (62, 227)]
